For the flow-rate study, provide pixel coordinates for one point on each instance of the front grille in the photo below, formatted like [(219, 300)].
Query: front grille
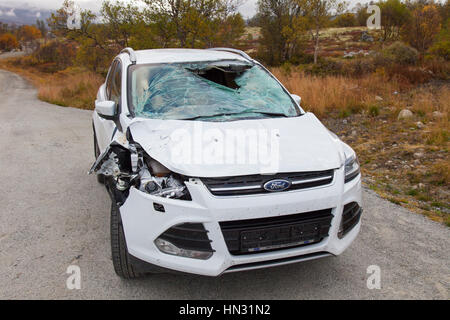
[(253, 184), (275, 233), (350, 218), (190, 236)]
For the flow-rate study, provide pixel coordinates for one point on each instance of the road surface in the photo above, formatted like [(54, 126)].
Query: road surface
[(53, 215)]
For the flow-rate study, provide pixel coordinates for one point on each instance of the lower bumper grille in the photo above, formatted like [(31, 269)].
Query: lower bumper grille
[(350, 218), (190, 236), (275, 233)]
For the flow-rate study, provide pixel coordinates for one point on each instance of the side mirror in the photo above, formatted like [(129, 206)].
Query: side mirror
[(296, 98), (106, 109)]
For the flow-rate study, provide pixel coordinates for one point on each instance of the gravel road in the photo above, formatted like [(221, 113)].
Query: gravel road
[(53, 215)]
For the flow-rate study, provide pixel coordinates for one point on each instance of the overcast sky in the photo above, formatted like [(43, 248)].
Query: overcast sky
[(248, 9)]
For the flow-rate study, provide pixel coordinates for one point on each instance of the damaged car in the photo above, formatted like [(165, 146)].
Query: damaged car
[(212, 166)]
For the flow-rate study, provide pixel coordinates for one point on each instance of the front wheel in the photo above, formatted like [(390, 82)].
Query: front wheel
[(120, 257)]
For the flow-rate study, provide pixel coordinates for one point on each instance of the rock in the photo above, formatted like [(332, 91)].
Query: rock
[(344, 121), (417, 162), (438, 115), (421, 186), (405, 114), (406, 167), (350, 54), (418, 155), (366, 37), (354, 133), (419, 125), (378, 98)]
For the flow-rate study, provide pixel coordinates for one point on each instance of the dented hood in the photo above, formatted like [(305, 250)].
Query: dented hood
[(244, 147)]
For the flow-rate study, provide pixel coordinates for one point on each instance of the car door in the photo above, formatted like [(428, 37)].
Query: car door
[(105, 129)]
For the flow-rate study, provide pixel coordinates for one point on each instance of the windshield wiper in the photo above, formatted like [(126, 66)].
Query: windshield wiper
[(211, 116), (278, 114)]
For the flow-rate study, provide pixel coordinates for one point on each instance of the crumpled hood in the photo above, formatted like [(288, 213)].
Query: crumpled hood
[(244, 147)]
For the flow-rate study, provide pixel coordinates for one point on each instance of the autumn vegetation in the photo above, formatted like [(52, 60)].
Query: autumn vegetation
[(357, 80)]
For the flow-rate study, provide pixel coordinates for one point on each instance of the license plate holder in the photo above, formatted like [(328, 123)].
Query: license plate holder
[(265, 239)]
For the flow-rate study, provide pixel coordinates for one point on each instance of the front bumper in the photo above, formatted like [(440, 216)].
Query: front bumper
[(142, 224)]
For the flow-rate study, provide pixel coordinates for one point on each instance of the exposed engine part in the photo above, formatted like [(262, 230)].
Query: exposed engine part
[(110, 167), (151, 187), (122, 185), (168, 187), (157, 168), (126, 167), (136, 158)]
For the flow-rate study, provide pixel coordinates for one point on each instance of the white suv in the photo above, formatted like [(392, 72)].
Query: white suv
[(213, 167)]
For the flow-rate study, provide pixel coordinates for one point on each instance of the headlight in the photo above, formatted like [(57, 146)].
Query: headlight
[(352, 169)]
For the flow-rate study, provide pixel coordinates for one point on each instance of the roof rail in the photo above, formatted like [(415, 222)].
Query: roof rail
[(131, 53), (236, 51)]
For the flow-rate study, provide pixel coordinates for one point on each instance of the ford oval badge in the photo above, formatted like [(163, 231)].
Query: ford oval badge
[(276, 185)]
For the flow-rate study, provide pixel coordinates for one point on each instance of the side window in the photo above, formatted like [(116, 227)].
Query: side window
[(109, 80), (116, 86)]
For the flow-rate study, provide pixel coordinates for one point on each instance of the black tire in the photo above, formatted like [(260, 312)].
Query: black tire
[(100, 177), (119, 251)]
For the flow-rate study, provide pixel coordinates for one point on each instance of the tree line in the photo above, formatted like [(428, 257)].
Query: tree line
[(153, 24), (287, 28)]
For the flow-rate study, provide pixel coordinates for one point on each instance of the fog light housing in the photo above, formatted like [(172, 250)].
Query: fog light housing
[(189, 240), (169, 248)]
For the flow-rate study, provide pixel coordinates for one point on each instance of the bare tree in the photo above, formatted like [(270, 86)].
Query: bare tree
[(317, 15)]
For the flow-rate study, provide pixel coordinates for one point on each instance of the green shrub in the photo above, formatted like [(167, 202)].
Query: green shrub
[(441, 49), (374, 111), (324, 67), (400, 53), (55, 55), (358, 67)]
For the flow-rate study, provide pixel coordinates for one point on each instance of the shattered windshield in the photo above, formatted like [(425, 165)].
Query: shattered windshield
[(214, 91)]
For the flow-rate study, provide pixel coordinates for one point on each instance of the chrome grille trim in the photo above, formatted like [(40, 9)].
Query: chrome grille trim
[(237, 188), (254, 184), (312, 180)]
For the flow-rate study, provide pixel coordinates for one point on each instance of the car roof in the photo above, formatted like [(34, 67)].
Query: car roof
[(183, 55)]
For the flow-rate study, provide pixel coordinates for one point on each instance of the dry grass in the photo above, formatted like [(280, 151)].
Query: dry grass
[(322, 95), (388, 148), (70, 88)]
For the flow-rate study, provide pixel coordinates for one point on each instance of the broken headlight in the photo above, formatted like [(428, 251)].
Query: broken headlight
[(157, 180)]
